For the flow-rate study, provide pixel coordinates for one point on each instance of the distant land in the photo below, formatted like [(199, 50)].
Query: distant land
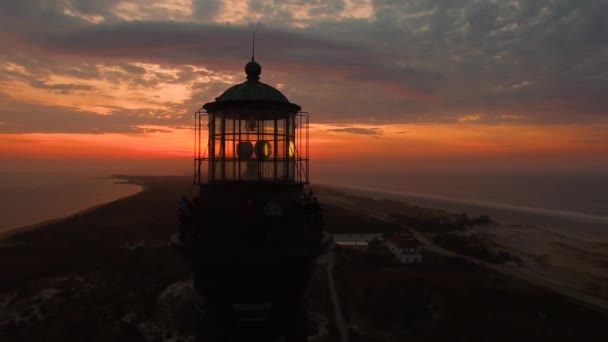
[(109, 274), (36, 197)]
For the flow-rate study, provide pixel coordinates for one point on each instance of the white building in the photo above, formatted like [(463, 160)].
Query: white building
[(407, 249), (358, 245), (356, 241)]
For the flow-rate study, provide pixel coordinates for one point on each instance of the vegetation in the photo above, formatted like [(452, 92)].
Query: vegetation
[(341, 220), (454, 301), (95, 279), (438, 221), (471, 245)]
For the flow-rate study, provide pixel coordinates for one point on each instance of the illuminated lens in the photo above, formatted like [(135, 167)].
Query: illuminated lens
[(263, 149), (292, 149), (244, 149)]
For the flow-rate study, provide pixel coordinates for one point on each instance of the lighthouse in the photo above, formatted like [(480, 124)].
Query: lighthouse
[(252, 231)]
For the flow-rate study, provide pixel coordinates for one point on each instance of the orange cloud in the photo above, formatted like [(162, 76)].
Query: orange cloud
[(91, 146), (392, 146), (445, 140)]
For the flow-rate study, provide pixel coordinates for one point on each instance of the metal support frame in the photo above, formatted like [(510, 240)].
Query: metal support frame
[(300, 139)]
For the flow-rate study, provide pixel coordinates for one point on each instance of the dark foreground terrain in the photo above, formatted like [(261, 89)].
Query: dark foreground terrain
[(94, 276), (453, 300), (109, 274)]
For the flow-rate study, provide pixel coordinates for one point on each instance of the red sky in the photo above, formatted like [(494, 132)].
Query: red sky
[(404, 84)]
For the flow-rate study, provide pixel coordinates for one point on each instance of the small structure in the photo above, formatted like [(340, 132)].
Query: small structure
[(356, 245), (356, 241), (369, 237), (407, 249)]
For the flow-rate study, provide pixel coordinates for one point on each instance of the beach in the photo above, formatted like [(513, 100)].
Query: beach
[(569, 254), (34, 198), (83, 273), (101, 274)]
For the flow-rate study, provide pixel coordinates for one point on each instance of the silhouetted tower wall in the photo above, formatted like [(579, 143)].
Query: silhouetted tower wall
[(255, 226)]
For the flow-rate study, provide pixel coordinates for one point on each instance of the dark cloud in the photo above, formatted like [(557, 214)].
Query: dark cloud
[(542, 61), (357, 130), (132, 69), (60, 88), (93, 7), (326, 7), (206, 9), (20, 117), (179, 43), (157, 130)]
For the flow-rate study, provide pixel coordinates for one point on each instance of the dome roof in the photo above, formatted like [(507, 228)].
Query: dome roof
[(253, 98), (252, 89)]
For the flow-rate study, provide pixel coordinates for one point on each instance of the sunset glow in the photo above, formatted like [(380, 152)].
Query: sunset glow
[(395, 82)]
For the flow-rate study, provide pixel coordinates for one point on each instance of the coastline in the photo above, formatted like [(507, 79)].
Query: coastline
[(99, 274), (30, 227), (568, 257), (592, 228), (76, 278), (567, 214)]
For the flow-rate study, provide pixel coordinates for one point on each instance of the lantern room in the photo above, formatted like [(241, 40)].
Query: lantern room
[(254, 228), (254, 135)]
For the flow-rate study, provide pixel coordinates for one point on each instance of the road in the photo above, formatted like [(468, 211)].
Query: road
[(519, 273), (340, 323), (515, 271)]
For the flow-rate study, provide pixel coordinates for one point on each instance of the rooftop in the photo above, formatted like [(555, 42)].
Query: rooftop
[(252, 93), (405, 242), (252, 89)]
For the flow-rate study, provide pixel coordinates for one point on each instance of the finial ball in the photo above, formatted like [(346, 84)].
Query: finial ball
[(253, 70)]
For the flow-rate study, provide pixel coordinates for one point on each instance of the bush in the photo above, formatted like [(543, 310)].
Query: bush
[(472, 246)]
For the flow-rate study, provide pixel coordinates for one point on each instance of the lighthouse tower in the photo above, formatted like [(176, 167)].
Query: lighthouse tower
[(254, 228)]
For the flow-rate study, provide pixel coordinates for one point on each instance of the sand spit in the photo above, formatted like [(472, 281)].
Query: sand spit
[(107, 267), (9, 232), (109, 274), (552, 253)]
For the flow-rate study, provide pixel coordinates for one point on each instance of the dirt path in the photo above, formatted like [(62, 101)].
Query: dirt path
[(518, 272), (340, 323)]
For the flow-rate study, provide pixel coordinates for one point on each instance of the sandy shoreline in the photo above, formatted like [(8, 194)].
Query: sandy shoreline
[(558, 247), (563, 254), (76, 278), (575, 225), (474, 203), (11, 231), (91, 285)]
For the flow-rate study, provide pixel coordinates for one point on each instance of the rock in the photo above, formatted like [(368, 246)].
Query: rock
[(177, 315), (9, 325), (134, 247), (48, 294), (7, 299), (128, 327), (129, 318), (178, 308)]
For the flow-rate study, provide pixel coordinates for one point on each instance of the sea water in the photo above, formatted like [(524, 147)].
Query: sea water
[(582, 195), (31, 197)]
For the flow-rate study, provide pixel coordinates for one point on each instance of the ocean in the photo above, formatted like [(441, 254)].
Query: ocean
[(577, 195), (31, 197)]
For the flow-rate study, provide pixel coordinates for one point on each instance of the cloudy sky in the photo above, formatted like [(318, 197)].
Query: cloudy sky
[(434, 82)]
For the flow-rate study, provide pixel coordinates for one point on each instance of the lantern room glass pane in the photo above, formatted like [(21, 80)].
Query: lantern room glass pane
[(244, 149), (218, 148)]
